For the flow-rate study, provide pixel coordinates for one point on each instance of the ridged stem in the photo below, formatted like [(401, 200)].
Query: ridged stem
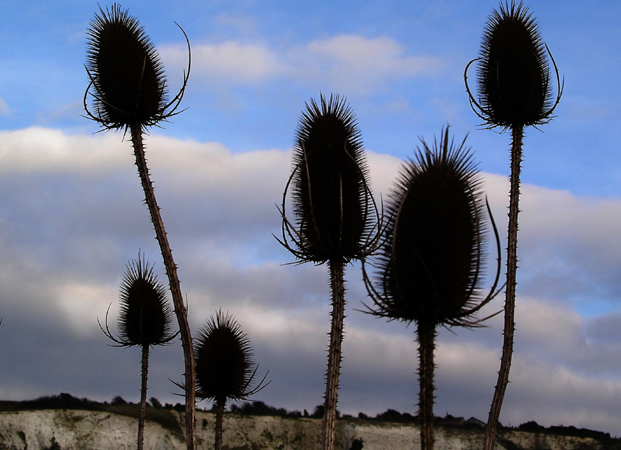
[(337, 284), (512, 263), (175, 288), (219, 420), (426, 335), (143, 394)]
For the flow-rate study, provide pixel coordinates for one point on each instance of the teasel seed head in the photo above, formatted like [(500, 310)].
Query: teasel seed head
[(127, 80), (513, 71), (145, 316), (433, 246), (332, 200), (225, 367)]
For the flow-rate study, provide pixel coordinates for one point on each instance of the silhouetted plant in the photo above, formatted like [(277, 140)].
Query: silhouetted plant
[(225, 369), (334, 211), (514, 91), (129, 91), (432, 254), (144, 320)]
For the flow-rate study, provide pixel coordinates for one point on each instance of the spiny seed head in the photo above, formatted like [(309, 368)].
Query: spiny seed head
[(145, 317), (127, 77), (331, 195), (224, 361), (513, 70), (428, 269)]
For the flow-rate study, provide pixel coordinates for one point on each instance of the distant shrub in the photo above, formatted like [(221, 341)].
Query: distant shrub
[(390, 415), (531, 426), (118, 400)]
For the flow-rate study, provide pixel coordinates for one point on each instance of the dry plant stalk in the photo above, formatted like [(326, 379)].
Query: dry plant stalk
[(129, 91)]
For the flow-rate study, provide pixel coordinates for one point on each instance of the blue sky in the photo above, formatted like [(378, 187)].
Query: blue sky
[(71, 211)]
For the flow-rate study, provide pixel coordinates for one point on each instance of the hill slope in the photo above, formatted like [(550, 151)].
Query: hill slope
[(59, 429)]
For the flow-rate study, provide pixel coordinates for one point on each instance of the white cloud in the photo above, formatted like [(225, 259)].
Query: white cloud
[(351, 63), (359, 64), (229, 62), (41, 150)]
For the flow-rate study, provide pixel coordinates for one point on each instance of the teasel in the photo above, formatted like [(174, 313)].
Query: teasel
[(129, 91), (514, 92), (144, 321), (225, 367), (336, 217), (432, 254)]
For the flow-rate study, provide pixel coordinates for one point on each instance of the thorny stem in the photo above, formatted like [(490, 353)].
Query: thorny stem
[(337, 270), (219, 418), (507, 346), (426, 336), (143, 394), (175, 288)]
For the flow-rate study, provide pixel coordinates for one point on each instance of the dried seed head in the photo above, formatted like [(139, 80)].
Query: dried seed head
[(145, 317), (433, 243), (513, 71), (224, 362), (127, 77), (331, 196)]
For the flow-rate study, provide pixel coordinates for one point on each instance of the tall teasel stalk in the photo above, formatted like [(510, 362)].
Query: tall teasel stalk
[(129, 92), (144, 321), (337, 219), (513, 76), (429, 267), (225, 369)]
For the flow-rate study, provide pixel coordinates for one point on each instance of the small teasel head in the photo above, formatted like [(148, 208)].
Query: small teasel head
[(145, 316), (127, 80), (225, 367), (513, 71), (433, 246), (332, 201)]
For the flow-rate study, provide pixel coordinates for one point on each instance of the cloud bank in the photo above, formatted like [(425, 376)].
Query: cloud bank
[(72, 215)]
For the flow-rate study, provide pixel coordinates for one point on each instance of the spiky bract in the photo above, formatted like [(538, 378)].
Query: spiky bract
[(145, 317), (331, 196), (127, 77), (225, 368), (433, 243), (513, 71)]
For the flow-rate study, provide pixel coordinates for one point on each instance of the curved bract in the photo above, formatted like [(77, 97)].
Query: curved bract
[(225, 367), (332, 200), (433, 244), (513, 71), (128, 83)]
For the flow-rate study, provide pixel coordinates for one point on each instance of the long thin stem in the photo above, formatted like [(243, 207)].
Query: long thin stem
[(175, 287), (512, 262), (143, 394), (426, 336), (337, 273), (219, 419)]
